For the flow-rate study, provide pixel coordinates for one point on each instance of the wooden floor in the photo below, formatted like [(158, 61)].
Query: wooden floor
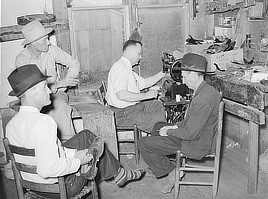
[(232, 184)]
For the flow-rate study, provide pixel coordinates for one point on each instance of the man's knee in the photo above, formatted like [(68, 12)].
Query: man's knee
[(157, 127), (87, 134), (142, 143)]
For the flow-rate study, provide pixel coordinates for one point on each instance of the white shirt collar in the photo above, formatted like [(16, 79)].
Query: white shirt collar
[(127, 62), (29, 109)]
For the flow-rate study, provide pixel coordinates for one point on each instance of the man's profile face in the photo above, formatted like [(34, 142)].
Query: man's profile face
[(188, 78), (137, 51), (41, 94), (42, 44)]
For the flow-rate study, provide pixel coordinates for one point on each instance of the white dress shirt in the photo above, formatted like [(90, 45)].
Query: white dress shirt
[(34, 130), (121, 77)]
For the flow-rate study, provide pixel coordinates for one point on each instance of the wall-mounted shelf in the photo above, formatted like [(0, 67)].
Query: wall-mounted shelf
[(221, 7), (10, 33)]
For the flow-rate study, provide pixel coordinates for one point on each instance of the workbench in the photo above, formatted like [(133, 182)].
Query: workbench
[(99, 119), (246, 100)]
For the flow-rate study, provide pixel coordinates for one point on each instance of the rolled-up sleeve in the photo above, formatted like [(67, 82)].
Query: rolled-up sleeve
[(64, 58)]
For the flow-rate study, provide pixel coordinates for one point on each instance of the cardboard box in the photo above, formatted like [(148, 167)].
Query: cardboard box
[(197, 48), (223, 59)]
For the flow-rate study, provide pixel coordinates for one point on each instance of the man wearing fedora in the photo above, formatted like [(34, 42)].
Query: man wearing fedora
[(34, 130), (38, 50), (195, 135)]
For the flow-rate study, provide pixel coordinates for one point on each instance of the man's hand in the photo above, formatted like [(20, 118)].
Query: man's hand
[(69, 80), (83, 156), (163, 130)]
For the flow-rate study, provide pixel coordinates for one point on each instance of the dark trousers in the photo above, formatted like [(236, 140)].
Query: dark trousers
[(155, 149), (144, 114), (108, 165)]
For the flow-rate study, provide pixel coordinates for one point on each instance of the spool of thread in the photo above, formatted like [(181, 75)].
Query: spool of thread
[(178, 98)]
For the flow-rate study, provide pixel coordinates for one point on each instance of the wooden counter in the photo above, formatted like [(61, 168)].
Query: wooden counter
[(246, 100), (100, 120), (252, 94)]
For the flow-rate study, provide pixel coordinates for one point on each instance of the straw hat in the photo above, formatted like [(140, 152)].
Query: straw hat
[(34, 31), (25, 77)]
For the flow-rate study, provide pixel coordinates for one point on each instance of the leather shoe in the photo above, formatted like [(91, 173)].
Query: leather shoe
[(96, 149)]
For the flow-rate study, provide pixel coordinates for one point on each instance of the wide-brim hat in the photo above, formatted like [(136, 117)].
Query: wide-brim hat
[(34, 31), (193, 62), (25, 77)]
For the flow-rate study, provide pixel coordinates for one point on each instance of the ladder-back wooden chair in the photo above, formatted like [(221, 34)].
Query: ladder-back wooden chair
[(125, 134), (182, 167), (22, 184)]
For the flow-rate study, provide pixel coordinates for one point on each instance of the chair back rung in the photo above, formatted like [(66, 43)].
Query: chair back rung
[(197, 183), (21, 150), (126, 141), (198, 166), (198, 169), (26, 168), (126, 152), (50, 188)]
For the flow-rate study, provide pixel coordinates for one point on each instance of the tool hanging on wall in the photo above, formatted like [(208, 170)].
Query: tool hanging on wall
[(195, 8), (137, 16)]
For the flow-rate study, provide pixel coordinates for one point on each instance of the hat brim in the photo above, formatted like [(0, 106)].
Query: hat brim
[(189, 69), (12, 93), (25, 42)]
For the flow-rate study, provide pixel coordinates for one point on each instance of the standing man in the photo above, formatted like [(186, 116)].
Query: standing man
[(195, 135), (123, 93), (34, 130), (38, 50)]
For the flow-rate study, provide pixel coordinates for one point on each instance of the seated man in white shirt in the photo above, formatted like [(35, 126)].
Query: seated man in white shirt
[(38, 50), (123, 93), (34, 130)]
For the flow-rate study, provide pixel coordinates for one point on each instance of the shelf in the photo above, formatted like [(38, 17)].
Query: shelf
[(11, 33), (222, 7)]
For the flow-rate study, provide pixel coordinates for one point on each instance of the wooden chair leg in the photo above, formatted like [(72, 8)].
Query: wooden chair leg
[(216, 177), (136, 137), (94, 190), (177, 174)]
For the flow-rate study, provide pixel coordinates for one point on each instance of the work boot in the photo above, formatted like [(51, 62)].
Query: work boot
[(170, 181), (89, 171)]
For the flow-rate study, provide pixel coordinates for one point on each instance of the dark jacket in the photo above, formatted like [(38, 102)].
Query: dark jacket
[(198, 129)]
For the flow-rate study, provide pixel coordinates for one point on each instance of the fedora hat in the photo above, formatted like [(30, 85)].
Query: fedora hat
[(25, 77), (193, 62), (34, 31)]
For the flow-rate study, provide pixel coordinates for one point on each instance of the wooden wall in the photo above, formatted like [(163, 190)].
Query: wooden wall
[(98, 38), (163, 29)]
